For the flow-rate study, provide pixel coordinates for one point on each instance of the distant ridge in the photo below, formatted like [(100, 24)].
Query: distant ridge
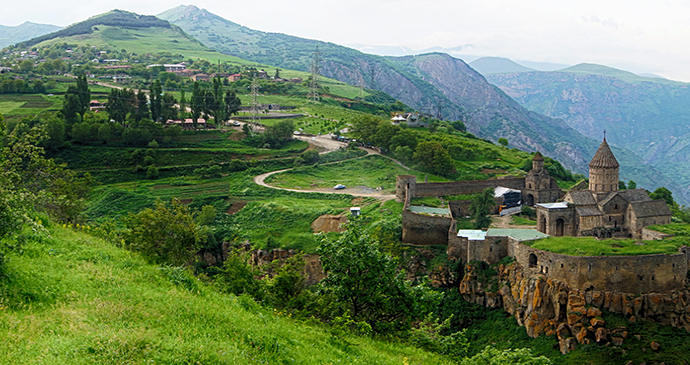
[(112, 18), (25, 31), (595, 69), (497, 65)]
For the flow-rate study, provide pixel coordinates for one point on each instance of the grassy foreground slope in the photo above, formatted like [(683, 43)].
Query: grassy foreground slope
[(73, 299)]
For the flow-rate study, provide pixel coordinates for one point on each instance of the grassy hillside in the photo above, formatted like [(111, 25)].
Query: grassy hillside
[(72, 299)]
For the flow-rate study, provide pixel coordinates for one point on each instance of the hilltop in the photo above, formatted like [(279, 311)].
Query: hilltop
[(497, 65)]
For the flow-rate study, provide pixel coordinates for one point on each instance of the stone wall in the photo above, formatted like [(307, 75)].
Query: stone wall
[(420, 229), (620, 274), (465, 187), (650, 235), (450, 188)]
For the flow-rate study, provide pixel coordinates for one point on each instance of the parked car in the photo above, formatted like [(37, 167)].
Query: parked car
[(236, 123), (339, 187)]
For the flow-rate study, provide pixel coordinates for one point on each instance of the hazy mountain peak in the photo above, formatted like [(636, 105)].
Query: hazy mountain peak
[(497, 65)]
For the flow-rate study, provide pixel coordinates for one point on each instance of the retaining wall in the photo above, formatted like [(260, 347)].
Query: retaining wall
[(420, 229), (621, 274)]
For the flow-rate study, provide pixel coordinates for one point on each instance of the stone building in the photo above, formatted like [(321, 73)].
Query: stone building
[(540, 187), (602, 210)]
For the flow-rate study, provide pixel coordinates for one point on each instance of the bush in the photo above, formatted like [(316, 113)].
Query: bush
[(165, 234), (152, 172)]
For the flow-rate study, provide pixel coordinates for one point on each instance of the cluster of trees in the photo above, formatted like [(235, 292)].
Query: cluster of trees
[(216, 102), (36, 86), (433, 152), (33, 184)]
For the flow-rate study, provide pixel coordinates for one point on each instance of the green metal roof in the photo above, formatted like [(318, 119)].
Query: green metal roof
[(429, 210), (517, 234)]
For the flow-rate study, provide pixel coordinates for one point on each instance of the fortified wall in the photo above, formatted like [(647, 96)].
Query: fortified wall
[(407, 187)]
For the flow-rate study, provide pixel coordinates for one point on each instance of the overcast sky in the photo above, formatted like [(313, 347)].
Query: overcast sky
[(639, 36)]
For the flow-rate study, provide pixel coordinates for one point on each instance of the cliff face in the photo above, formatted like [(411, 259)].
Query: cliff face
[(552, 308)]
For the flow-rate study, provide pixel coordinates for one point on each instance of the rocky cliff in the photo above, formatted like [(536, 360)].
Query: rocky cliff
[(547, 307)]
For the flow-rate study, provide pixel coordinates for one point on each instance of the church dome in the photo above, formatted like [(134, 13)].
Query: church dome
[(604, 158)]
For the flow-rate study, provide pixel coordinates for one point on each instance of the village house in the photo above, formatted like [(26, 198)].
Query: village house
[(121, 79), (199, 77), (234, 77), (188, 124)]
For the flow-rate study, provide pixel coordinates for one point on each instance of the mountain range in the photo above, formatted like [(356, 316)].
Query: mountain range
[(25, 31), (436, 83)]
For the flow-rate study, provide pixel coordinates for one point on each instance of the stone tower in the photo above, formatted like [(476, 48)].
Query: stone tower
[(603, 171), (538, 162)]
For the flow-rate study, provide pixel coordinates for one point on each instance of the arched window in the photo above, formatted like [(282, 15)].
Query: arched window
[(532, 260)]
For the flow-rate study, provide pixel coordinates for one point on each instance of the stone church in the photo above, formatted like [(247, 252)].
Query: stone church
[(602, 210)]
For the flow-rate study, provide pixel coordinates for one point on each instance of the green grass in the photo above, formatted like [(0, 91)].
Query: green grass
[(74, 299), (520, 221), (371, 171), (25, 104), (589, 246)]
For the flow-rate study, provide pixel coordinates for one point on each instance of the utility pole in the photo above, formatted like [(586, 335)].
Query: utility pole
[(254, 103), (313, 95)]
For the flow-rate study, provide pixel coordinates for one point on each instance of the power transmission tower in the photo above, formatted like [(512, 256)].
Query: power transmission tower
[(439, 108), (314, 82), (254, 104), (361, 89)]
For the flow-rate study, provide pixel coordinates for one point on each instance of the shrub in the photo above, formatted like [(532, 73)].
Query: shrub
[(165, 234)]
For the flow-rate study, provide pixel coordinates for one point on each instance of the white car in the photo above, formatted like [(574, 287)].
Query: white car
[(339, 187)]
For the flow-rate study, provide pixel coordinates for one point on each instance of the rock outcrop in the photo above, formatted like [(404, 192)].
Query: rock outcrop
[(547, 307)]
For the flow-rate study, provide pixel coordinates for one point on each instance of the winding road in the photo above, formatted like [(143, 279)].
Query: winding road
[(325, 144)]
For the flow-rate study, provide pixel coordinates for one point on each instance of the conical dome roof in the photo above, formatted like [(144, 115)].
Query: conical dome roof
[(604, 157), (538, 157)]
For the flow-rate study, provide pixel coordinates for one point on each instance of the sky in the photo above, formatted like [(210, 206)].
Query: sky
[(637, 36)]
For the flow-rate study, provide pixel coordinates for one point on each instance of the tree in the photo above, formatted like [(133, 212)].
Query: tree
[(665, 194), (121, 102), (481, 206), (164, 234), (183, 105), (83, 92), (232, 104), (214, 101), (434, 158), (367, 281), (632, 185), (142, 110), (71, 108), (197, 102), (156, 101), (278, 133), (503, 142), (168, 109)]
